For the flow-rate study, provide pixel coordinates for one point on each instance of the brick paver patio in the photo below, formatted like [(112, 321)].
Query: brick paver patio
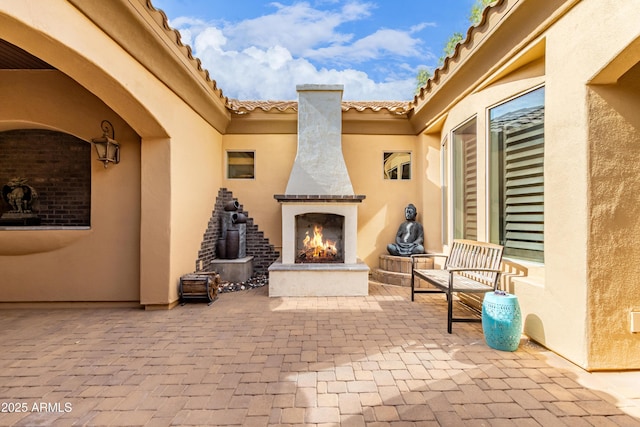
[(252, 360)]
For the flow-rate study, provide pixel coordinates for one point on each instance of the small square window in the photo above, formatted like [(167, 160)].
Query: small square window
[(240, 164), (397, 165)]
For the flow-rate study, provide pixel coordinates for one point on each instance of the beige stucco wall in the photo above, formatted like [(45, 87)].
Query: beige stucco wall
[(382, 211), (614, 235), (574, 235), (274, 156), (158, 200), (428, 178), (379, 215), (194, 187), (614, 209)]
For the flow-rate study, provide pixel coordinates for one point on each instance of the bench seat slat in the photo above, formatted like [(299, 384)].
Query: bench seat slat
[(440, 278)]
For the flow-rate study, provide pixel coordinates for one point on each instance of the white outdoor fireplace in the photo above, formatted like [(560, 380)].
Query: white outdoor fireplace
[(319, 207)]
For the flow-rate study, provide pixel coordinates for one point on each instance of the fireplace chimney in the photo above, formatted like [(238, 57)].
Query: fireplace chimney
[(319, 167), (319, 207)]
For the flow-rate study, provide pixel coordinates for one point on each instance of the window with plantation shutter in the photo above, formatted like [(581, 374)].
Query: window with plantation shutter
[(517, 176), (524, 191), (465, 202), (444, 178)]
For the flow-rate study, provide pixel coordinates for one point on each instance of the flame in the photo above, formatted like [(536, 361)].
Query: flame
[(318, 246)]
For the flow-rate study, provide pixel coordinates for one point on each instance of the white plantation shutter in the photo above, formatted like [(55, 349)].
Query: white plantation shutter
[(523, 227), (470, 190), (465, 180)]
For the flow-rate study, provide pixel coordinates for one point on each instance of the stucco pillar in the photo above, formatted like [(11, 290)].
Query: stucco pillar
[(155, 230)]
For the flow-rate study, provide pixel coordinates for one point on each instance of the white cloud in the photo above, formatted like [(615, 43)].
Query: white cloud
[(421, 26), (209, 38), (266, 57), (298, 27), (376, 45)]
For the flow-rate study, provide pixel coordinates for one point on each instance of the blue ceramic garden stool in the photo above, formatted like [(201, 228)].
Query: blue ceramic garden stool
[(501, 321)]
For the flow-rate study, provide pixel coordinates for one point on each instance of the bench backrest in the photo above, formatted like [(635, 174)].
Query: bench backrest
[(472, 254)]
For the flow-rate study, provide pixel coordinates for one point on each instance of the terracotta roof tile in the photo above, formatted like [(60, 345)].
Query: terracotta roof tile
[(398, 107), (444, 69), (248, 106), (161, 18)]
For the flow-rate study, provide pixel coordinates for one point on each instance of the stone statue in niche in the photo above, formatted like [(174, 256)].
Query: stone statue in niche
[(20, 196), (410, 236)]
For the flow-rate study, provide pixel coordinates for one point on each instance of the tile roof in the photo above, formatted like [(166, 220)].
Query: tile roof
[(397, 107), (163, 21), (444, 69)]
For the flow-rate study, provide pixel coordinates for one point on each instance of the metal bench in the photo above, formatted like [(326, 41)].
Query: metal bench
[(470, 267)]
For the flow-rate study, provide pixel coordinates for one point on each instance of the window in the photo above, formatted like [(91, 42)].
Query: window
[(465, 186), (444, 178), (240, 164), (516, 176), (397, 165)]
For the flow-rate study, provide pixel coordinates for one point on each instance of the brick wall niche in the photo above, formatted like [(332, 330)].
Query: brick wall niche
[(57, 165)]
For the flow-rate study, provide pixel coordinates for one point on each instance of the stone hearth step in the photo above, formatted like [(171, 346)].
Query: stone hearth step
[(396, 270), (390, 277)]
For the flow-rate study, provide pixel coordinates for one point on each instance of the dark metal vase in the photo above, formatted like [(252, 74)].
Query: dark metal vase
[(221, 248), (233, 243)]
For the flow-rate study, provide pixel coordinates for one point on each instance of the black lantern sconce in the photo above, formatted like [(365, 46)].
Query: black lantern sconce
[(107, 147)]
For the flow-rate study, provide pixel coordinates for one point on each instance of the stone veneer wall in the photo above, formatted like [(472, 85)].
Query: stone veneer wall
[(57, 165), (257, 245)]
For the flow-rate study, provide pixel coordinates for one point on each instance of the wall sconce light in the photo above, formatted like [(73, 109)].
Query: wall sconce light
[(107, 147)]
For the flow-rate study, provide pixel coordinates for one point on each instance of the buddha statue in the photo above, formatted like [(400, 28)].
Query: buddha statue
[(410, 236)]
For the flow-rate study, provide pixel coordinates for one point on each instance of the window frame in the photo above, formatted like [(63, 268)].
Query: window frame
[(490, 221), (399, 172), (445, 168), (228, 164), (454, 179)]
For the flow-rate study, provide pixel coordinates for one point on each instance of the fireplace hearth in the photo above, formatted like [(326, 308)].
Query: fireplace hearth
[(319, 207)]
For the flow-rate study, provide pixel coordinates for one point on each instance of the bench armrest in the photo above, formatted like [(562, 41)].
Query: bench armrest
[(429, 256)]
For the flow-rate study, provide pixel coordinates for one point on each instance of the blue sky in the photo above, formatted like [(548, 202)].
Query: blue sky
[(260, 50)]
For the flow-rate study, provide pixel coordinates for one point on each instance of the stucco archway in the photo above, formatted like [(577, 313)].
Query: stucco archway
[(90, 78)]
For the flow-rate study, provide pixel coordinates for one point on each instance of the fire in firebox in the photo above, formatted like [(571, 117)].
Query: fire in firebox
[(317, 248)]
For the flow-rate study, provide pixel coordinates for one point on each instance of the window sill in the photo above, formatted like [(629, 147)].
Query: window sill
[(519, 272)]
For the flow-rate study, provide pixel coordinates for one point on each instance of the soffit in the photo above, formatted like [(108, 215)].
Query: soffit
[(14, 58)]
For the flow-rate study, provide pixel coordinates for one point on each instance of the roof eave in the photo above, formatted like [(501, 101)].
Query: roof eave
[(506, 28), (144, 32)]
